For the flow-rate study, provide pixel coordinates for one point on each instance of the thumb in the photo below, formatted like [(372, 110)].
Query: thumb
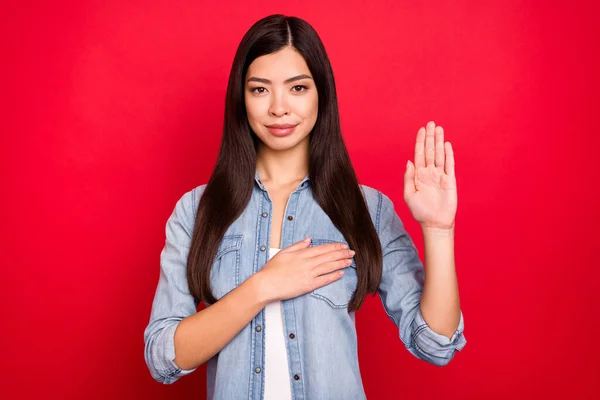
[(409, 180), (297, 246)]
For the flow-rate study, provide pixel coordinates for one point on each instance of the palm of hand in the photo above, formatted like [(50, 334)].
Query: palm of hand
[(430, 183)]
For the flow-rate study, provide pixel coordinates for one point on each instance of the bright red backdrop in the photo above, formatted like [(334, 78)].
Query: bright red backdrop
[(113, 109)]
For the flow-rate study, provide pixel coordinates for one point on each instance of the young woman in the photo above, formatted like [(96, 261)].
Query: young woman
[(279, 321)]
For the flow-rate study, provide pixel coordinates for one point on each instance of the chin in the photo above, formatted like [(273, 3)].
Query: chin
[(283, 143)]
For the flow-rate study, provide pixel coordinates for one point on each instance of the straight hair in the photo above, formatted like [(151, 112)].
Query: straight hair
[(334, 183)]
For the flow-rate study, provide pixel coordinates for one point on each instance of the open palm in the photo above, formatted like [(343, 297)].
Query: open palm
[(430, 184)]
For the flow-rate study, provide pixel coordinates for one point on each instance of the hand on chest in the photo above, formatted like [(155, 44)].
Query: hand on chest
[(275, 222)]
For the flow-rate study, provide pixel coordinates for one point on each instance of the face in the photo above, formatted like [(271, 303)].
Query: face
[(280, 90)]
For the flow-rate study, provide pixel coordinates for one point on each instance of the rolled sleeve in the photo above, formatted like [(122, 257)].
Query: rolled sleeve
[(434, 347), (401, 287), (172, 300), (160, 356)]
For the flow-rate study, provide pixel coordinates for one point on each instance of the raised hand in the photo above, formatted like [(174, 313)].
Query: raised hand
[(429, 183)]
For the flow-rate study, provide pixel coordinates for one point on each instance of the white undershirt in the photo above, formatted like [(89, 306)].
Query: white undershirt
[(277, 377)]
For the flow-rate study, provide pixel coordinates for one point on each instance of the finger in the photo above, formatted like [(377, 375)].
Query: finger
[(420, 148), (322, 249), (331, 266), (327, 279), (449, 169), (409, 180), (439, 147), (332, 256), (429, 143), (297, 246)]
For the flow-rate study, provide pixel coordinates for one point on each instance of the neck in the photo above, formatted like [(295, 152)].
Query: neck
[(282, 167)]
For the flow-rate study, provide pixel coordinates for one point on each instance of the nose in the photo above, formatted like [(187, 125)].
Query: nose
[(279, 106)]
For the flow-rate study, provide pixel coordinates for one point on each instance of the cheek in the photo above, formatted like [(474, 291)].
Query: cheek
[(314, 109), (309, 108), (252, 111)]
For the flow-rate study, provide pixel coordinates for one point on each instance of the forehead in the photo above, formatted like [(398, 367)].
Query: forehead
[(278, 66)]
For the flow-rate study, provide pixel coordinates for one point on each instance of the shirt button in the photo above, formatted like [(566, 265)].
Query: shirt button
[(296, 377), (257, 370), (265, 214), (262, 248), (290, 218), (292, 336), (258, 328)]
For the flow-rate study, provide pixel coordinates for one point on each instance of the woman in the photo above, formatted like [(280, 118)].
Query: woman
[(279, 321)]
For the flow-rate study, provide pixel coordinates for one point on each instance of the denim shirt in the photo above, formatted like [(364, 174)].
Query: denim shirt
[(320, 333)]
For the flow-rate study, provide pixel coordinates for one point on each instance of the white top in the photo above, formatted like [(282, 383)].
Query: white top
[(277, 376)]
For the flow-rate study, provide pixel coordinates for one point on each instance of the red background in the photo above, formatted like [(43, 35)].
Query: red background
[(111, 110)]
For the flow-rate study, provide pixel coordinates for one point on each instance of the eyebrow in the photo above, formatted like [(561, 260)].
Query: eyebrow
[(295, 78)]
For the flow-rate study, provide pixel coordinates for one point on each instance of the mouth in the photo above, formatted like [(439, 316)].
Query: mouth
[(281, 129)]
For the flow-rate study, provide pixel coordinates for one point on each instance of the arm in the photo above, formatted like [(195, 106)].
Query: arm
[(440, 304), (202, 335), (178, 339), (401, 291)]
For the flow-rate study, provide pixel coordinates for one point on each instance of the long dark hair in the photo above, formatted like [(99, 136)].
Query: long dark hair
[(333, 181)]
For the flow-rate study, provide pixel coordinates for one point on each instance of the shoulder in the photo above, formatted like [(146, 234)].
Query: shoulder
[(378, 203), (388, 224), (195, 194), (375, 197), (187, 204)]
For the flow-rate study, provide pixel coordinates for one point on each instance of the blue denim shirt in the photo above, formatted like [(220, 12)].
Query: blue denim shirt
[(322, 352)]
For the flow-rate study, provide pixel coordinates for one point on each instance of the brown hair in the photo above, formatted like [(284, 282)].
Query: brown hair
[(333, 180)]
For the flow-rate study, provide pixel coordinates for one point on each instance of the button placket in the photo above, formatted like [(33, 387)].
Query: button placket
[(261, 257), (289, 314)]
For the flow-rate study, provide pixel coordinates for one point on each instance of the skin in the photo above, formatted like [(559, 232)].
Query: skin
[(281, 160), (431, 196), (429, 184), (289, 97), (279, 89), (282, 163)]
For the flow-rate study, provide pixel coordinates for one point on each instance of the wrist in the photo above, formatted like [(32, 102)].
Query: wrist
[(434, 231), (260, 292)]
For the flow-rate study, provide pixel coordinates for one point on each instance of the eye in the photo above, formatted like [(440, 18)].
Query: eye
[(302, 88), (257, 90)]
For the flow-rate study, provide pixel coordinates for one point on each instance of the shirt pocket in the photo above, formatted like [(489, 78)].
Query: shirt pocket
[(224, 273), (338, 293)]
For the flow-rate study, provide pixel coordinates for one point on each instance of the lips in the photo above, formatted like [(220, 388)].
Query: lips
[(281, 129), (281, 126)]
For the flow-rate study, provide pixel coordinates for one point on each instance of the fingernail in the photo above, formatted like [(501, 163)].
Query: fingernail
[(344, 246)]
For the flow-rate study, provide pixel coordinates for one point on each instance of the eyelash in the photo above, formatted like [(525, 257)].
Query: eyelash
[(254, 90)]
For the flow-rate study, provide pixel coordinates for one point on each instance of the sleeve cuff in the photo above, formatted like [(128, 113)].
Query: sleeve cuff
[(432, 346), (170, 371)]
